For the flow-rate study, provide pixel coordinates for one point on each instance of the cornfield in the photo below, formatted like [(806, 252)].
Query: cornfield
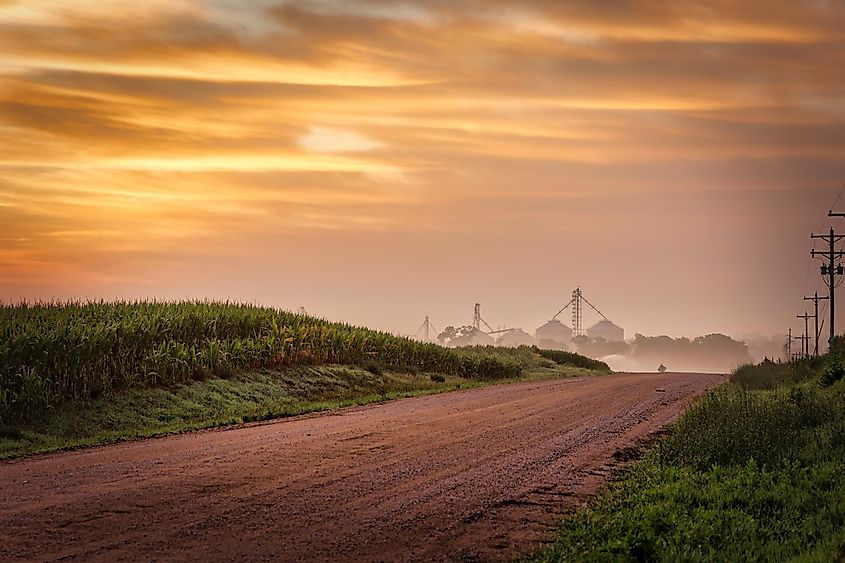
[(55, 352)]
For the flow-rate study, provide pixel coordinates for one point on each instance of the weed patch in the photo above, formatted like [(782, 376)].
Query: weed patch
[(752, 472)]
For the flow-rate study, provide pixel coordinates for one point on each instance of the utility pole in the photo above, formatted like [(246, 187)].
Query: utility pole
[(815, 299), (805, 340), (802, 340), (789, 346), (830, 270)]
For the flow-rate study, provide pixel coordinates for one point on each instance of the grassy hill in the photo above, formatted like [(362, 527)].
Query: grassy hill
[(80, 373)]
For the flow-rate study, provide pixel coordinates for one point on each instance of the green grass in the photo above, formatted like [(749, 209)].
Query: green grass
[(667, 512), (755, 471), (73, 374), (770, 375), (570, 358), (533, 358), (210, 403), (253, 396)]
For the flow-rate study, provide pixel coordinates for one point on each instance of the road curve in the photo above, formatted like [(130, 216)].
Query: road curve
[(475, 474)]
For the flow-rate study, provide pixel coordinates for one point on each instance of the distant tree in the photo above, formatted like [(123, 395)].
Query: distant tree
[(713, 352), (760, 346), (463, 336)]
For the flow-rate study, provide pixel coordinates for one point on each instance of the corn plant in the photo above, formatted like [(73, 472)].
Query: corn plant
[(54, 352)]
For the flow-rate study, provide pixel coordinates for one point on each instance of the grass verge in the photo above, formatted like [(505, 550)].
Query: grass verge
[(53, 353), (249, 397), (752, 472)]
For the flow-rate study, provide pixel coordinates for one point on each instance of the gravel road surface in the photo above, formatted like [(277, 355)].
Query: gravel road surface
[(479, 474)]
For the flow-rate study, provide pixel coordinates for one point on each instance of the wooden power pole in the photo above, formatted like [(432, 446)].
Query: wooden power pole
[(830, 270), (805, 340), (815, 299)]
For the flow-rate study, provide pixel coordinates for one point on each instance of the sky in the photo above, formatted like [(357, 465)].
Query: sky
[(377, 161)]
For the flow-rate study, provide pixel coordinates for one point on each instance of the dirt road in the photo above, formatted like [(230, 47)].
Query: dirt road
[(477, 474)]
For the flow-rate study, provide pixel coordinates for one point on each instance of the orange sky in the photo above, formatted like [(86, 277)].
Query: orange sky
[(378, 161)]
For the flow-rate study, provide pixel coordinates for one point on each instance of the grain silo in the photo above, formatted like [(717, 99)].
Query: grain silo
[(554, 334), (606, 330), (514, 338)]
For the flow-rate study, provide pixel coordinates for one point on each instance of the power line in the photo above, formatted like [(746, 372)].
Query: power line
[(815, 299), (830, 269), (805, 340), (835, 201), (822, 226)]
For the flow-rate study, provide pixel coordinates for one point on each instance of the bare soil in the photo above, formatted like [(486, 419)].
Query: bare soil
[(480, 474)]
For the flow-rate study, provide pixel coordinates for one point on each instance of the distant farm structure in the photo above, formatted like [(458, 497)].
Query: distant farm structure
[(594, 335), (476, 335), (516, 337), (606, 330), (553, 334)]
